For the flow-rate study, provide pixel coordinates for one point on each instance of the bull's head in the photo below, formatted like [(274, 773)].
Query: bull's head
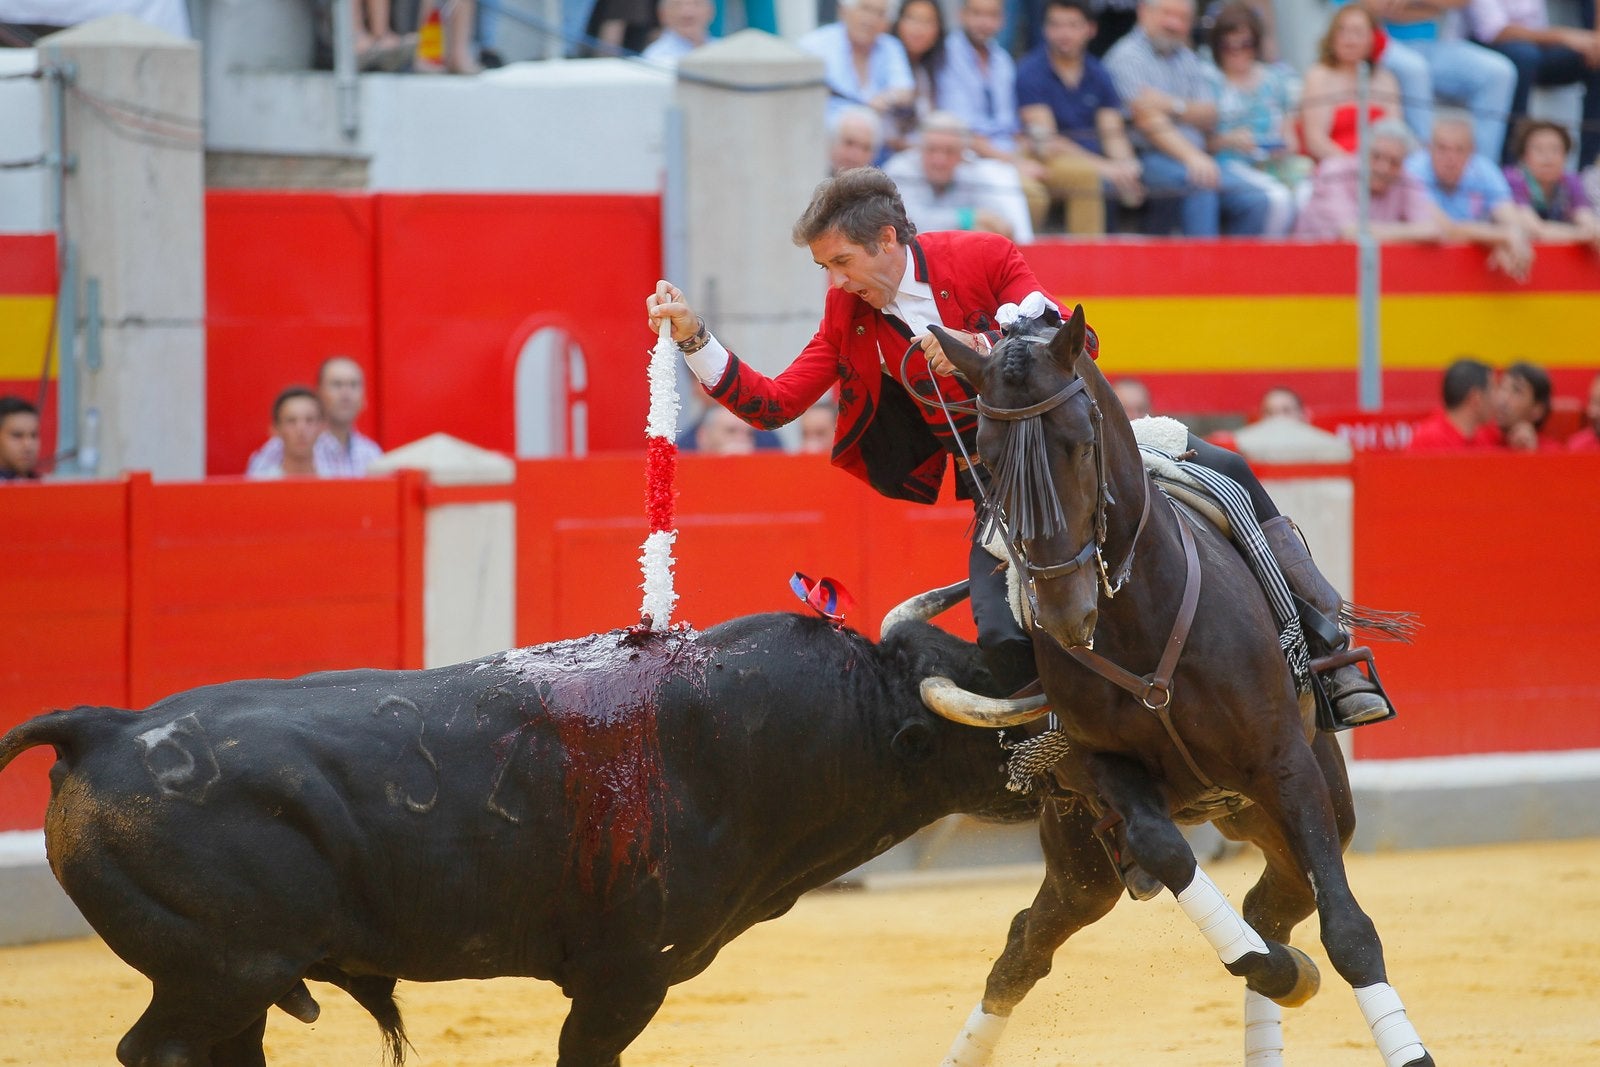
[(944, 697)]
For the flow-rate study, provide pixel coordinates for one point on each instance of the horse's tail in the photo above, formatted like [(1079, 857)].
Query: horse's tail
[(1378, 623)]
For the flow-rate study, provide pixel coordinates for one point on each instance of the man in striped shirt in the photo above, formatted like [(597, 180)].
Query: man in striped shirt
[(1172, 105)]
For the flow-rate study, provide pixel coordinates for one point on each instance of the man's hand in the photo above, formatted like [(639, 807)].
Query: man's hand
[(1522, 437), (938, 362), (1514, 256), (667, 302), (1203, 171)]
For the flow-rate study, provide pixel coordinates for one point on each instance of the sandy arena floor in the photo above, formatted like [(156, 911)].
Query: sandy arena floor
[(1496, 951)]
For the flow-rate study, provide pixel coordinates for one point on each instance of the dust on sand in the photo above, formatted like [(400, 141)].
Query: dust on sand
[(1496, 951)]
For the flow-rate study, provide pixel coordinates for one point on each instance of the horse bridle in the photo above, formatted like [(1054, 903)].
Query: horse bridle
[(1110, 582)]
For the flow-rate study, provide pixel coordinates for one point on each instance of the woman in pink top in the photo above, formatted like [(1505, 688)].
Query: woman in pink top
[(1328, 114)]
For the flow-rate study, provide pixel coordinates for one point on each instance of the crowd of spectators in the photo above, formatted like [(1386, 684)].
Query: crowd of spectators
[(1193, 125)]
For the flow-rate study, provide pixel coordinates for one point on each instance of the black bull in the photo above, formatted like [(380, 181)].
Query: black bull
[(604, 813)]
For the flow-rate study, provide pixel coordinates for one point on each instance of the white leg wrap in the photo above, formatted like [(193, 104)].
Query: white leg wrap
[(975, 1044), (1208, 909), (1263, 1031), (1386, 1016)]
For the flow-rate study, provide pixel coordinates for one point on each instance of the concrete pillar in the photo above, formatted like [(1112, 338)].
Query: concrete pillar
[(135, 211), (1323, 507), (751, 159), (469, 562)]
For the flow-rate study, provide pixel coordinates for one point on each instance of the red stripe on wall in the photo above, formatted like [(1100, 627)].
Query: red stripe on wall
[(1077, 271), (1465, 269), (28, 264)]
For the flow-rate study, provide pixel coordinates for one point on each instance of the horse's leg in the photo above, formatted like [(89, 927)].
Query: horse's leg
[(1272, 969), (1307, 795), (1079, 888)]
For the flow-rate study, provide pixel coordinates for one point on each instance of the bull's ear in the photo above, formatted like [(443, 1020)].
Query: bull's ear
[(1067, 345), (968, 362)]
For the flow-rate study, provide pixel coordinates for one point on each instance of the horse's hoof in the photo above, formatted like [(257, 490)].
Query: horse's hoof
[(1306, 982), (1425, 1061)]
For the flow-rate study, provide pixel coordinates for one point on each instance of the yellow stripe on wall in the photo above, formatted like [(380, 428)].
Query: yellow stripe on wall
[(25, 325), (1195, 334), (1550, 329)]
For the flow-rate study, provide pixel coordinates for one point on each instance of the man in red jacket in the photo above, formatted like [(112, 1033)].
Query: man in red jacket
[(886, 286)]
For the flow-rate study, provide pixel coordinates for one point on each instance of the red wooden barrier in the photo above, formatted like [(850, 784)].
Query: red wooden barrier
[(1497, 556), (121, 593), (289, 282), (1493, 553), (745, 524)]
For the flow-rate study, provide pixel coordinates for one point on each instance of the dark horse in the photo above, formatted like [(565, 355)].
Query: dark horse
[(1218, 733)]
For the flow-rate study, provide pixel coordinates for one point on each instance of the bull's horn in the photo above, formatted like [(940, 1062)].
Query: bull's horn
[(923, 606), (948, 700)]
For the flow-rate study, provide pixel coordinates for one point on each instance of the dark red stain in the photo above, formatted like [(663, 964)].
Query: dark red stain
[(602, 695)]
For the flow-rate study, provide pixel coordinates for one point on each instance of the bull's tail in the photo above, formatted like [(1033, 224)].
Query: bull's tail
[(69, 732), (376, 994), (373, 992)]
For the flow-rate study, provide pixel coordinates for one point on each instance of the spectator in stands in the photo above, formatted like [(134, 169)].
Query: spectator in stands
[(1134, 395), (1163, 85), (1473, 193), (297, 423), (946, 187), (1115, 19), (1254, 102), (817, 426), (855, 136), (1543, 54), (1467, 420), (1399, 207), (722, 433), (921, 30), (979, 80), (1430, 56), (685, 26), (342, 451), (615, 26), (862, 62), (1072, 117), (1555, 206), (377, 46), (1281, 402), (1522, 405), (1588, 438), (19, 440), (1329, 116)]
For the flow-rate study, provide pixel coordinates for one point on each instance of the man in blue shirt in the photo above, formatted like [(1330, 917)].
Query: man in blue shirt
[(1072, 118), (1473, 193)]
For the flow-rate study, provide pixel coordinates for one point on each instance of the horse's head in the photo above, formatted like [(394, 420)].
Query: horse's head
[(1040, 433)]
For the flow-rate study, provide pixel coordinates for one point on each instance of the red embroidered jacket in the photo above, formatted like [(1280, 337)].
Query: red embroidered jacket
[(896, 445)]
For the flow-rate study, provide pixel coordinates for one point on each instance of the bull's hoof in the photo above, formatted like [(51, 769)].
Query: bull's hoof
[(1307, 980)]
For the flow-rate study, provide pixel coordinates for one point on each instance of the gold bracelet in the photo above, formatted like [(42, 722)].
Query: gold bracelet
[(696, 342)]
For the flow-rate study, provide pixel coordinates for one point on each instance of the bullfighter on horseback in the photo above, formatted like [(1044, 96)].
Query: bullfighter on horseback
[(886, 285)]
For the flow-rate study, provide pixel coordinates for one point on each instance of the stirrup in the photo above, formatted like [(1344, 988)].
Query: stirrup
[(1327, 716)]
